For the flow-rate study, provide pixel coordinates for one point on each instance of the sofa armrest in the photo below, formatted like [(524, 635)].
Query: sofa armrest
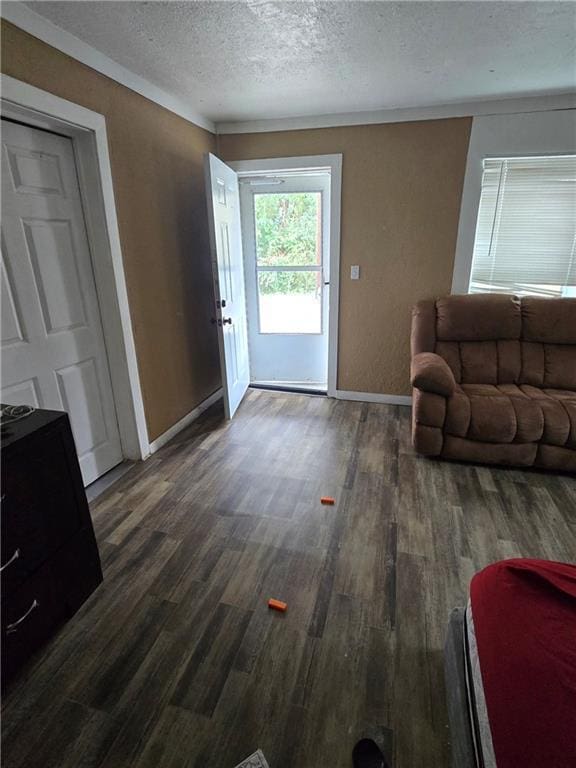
[(431, 373)]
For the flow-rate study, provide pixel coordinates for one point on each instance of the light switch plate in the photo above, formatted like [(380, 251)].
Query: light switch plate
[(355, 272)]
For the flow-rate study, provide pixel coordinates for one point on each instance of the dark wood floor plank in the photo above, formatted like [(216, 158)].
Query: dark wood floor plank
[(113, 669), (254, 707), (73, 737), (176, 660), (329, 568), (415, 739), (339, 664), (205, 674), (174, 741)]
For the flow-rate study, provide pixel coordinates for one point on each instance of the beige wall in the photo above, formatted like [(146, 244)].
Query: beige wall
[(400, 204), (157, 172), (401, 190)]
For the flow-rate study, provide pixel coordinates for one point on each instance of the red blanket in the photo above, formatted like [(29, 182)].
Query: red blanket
[(524, 614)]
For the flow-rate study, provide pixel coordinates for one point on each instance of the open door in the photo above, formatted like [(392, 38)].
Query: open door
[(228, 274)]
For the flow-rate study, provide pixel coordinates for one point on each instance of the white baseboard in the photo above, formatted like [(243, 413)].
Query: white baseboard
[(165, 437), (373, 397)]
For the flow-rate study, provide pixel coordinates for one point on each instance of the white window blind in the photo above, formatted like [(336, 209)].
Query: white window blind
[(526, 230)]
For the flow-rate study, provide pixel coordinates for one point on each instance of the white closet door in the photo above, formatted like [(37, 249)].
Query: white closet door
[(53, 353)]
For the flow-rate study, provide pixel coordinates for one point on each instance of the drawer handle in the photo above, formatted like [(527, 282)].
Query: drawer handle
[(14, 626), (15, 556)]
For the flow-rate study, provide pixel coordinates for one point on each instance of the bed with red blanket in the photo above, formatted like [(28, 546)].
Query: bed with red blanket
[(517, 668)]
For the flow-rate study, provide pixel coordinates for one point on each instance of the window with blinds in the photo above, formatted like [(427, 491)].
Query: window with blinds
[(526, 231)]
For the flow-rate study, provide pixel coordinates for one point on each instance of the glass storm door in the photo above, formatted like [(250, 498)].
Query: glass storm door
[(286, 231)]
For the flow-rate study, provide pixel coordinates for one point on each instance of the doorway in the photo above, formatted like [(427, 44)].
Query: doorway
[(286, 246), (53, 352), (279, 246), (65, 306)]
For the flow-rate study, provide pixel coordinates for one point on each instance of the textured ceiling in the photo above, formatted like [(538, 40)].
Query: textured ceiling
[(259, 59)]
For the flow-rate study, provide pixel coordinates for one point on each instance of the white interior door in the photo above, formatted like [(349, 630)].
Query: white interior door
[(53, 353), (286, 229), (228, 273)]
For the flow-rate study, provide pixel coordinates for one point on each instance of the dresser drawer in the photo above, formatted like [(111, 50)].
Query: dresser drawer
[(23, 552), (42, 506), (29, 616), (21, 486)]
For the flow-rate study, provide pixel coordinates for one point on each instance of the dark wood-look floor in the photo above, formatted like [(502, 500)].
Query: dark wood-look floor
[(176, 661)]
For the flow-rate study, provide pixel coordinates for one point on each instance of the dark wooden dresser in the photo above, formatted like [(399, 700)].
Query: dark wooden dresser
[(50, 561)]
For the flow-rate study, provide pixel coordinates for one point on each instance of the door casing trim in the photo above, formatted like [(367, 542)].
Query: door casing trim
[(87, 130), (332, 163)]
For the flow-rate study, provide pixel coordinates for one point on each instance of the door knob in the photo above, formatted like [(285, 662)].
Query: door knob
[(226, 320)]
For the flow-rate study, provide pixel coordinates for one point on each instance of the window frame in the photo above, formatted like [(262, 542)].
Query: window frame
[(534, 131), (566, 289)]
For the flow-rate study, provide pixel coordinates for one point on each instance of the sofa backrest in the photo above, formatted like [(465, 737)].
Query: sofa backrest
[(501, 339), (548, 347)]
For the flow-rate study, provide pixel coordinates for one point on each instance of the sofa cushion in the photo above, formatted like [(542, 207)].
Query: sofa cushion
[(561, 394), (480, 390), (479, 360), (568, 401), (489, 362), (548, 365), (560, 366), (532, 372), (480, 412), (557, 425), (450, 351), (507, 413), (481, 317), (551, 321), (509, 361), (529, 416), (492, 418)]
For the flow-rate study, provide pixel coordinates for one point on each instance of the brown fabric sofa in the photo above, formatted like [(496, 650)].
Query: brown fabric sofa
[(494, 380)]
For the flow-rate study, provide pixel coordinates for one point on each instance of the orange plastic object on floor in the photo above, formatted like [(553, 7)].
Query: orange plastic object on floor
[(277, 605), (327, 500)]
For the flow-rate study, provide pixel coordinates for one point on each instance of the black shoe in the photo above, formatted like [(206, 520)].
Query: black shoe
[(367, 754)]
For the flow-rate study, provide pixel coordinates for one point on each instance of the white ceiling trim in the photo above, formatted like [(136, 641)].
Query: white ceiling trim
[(410, 114), (39, 27)]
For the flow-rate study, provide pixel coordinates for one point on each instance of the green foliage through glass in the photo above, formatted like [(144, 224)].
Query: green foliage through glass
[(288, 234)]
